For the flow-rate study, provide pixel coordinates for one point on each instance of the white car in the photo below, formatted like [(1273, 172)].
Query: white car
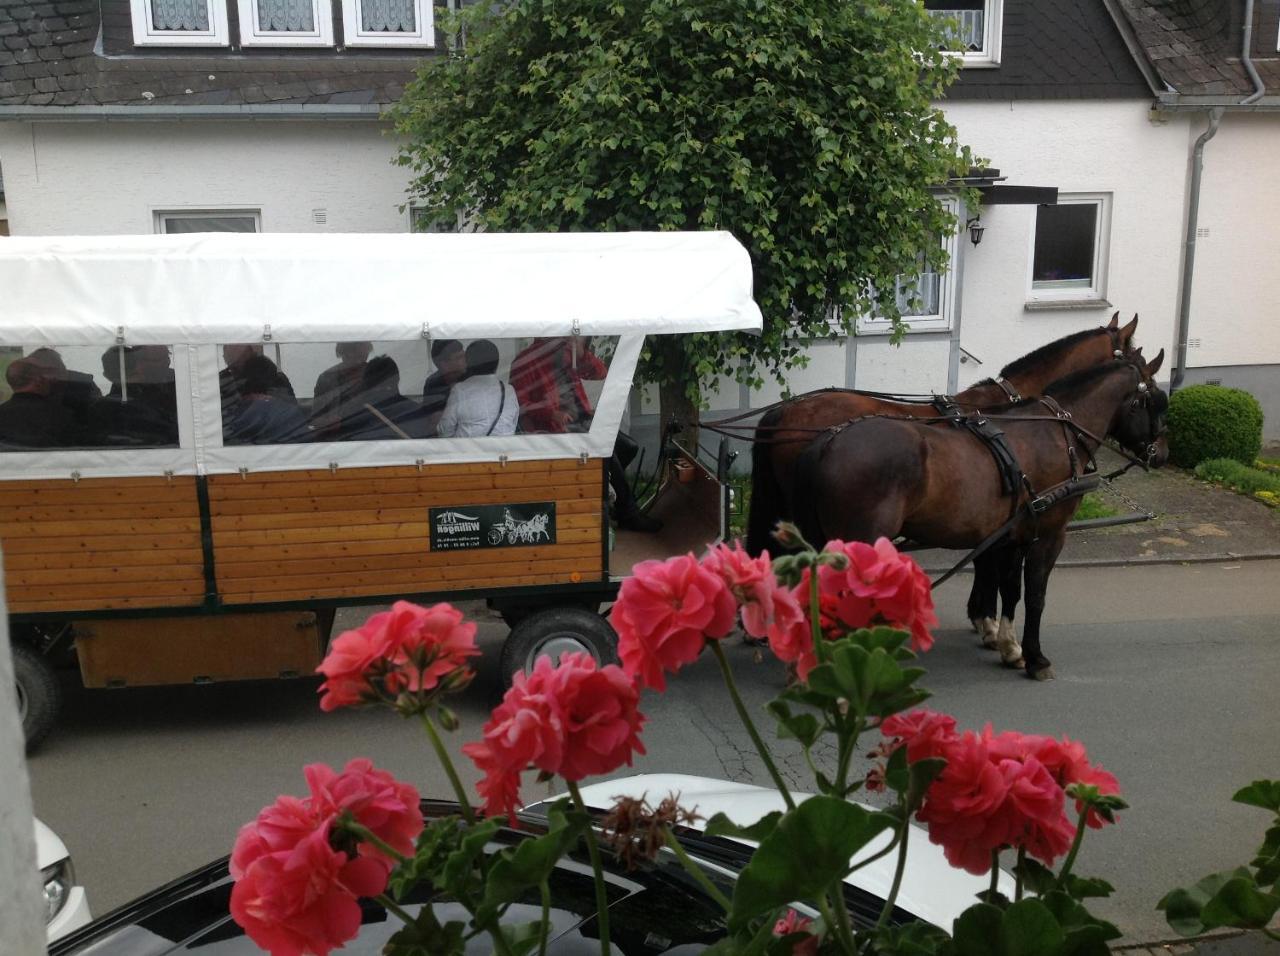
[(66, 906), (932, 889)]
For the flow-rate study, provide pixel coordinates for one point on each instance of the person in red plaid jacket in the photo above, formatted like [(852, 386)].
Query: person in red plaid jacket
[(548, 377)]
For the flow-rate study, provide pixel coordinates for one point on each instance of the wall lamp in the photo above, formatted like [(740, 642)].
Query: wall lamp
[(976, 229)]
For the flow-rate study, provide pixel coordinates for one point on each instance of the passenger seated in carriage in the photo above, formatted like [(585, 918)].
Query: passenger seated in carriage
[(450, 360), (34, 417), (261, 415), (481, 404), (142, 412), (339, 385), (379, 411)]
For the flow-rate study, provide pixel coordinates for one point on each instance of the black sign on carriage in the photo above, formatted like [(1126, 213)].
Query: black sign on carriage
[(463, 527)]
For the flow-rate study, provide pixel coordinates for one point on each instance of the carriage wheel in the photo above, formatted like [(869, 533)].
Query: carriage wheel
[(39, 696), (554, 632)]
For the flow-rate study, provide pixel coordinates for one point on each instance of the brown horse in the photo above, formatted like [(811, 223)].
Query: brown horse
[(937, 483), (784, 432)]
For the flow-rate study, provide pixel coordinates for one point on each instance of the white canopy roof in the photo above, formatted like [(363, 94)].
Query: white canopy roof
[(220, 288)]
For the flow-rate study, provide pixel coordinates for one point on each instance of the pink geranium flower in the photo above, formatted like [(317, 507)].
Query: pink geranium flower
[(390, 809), (767, 606), (665, 612), (294, 893), (409, 648), (793, 923), (924, 732), (880, 586), (573, 719)]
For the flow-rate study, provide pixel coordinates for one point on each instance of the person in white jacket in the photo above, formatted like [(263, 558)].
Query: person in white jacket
[(481, 404)]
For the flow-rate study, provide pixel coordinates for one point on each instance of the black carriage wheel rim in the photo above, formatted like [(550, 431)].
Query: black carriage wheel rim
[(556, 645)]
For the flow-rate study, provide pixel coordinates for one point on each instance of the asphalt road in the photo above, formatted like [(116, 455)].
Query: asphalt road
[(1167, 673)]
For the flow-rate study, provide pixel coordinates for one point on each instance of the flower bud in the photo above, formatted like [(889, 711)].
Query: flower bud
[(789, 536), (448, 719)]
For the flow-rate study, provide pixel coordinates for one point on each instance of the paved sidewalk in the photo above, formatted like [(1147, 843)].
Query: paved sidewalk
[(1194, 522), (1226, 943)]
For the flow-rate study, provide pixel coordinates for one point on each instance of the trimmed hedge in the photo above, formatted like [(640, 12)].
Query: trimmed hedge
[(1210, 421)]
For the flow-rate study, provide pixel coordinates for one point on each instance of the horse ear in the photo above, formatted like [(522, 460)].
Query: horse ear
[(1154, 365), (1126, 334), (1115, 322)]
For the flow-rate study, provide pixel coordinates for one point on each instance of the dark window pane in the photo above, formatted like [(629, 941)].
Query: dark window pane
[(173, 225), (1066, 236), (967, 21)]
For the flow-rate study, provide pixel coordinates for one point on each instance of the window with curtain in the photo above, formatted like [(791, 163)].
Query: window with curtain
[(971, 26), (388, 23), (286, 22), (179, 22)]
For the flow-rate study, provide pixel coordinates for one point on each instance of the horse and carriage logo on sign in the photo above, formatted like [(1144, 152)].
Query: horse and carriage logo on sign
[(493, 526)]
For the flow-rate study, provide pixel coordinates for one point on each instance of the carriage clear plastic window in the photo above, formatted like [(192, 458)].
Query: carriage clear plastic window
[(289, 393), (79, 397)]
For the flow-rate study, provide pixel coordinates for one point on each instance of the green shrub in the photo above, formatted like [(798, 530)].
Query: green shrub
[(1238, 477), (1209, 421)]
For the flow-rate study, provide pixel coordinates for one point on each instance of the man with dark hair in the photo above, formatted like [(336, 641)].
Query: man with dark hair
[(381, 411), (261, 416), (548, 377), (481, 404), (231, 378), (32, 418), (450, 360)]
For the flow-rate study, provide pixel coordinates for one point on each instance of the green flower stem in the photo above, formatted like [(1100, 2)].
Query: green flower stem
[(391, 906), (695, 871), (1017, 886), (602, 898), (995, 876), (815, 618), (832, 921), (368, 836), (545, 890), (843, 923), (897, 872), (443, 755), (848, 745), (745, 717), (877, 855), (1070, 861)]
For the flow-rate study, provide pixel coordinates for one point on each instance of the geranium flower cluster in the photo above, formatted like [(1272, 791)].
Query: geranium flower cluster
[(298, 874), (997, 790), (408, 652), (573, 719), (668, 610)]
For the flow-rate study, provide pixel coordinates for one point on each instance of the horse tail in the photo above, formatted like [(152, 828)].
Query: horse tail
[(766, 492)]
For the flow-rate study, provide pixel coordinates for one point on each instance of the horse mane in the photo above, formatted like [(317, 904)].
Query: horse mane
[(1029, 361), (1083, 377)]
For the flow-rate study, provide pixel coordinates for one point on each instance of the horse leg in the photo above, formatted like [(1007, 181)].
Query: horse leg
[(1011, 561), (982, 597), (1041, 555), (767, 496)]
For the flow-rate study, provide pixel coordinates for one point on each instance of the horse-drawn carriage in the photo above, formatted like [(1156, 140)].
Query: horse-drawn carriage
[(179, 503)]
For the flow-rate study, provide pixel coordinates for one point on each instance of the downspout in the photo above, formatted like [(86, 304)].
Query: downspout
[(1259, 88), (1189, 247)]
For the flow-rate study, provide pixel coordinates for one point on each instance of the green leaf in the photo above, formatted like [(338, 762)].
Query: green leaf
[(525, 866), (522, 937), (1035, 876), (791, 726), (721, 826), (1267, 860), (426, 937), (1183, 907), (457, 874), (911, 939), (1240, 904), (977, 931), (1260, 793), (1084, 887), (808, 850), (1028, 928), (923, 773)]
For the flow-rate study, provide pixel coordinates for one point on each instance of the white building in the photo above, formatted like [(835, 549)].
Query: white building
[(127, 116)]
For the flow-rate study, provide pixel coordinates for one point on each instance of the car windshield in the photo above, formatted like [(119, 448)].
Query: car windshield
[(656, 909)]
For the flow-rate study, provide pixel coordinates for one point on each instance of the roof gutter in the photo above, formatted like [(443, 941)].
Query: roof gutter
[(1189, 247), (244, 111)]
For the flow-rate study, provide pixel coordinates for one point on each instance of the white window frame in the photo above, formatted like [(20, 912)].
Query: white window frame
[(425, 36), (992, 31), (203, 212), (1097, 291), (145, 35), (939, 321), (252, 35)]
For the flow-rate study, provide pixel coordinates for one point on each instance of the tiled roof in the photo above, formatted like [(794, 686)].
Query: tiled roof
[(1056, 49), (1194, 45), (48, 58)]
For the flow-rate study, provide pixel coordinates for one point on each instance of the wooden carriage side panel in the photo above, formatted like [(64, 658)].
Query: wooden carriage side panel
[(357, 532), (101, 544)]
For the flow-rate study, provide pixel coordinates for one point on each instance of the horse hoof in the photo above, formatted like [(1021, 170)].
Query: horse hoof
[(1044, 673), (976, 624), (1017, 664)]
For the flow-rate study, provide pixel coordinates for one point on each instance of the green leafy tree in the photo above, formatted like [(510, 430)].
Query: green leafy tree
[(807, 130)]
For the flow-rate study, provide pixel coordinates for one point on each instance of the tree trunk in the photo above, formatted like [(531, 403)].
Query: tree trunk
[(674, 406)]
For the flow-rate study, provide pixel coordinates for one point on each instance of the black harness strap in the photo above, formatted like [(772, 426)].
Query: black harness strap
[(1007, 388)]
